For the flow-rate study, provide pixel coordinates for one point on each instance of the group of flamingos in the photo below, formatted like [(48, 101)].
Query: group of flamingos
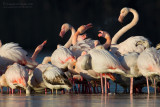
[(83, 61)]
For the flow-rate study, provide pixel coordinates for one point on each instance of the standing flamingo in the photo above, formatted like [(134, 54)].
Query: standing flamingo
[(129, 45), (149, 63)]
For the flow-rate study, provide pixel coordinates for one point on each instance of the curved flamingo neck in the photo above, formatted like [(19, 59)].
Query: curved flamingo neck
[(74, 40), (69, 42), (127, 27), (108, 41)]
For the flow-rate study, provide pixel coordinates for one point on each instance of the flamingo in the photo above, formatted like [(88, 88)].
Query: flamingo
[(149, 62), (54, 78), (129, 45), (16, 76), (129, 62), (12, 52)]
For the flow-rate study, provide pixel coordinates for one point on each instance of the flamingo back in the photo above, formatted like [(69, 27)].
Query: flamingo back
[(103, 61), (61, 56), (129, 45)]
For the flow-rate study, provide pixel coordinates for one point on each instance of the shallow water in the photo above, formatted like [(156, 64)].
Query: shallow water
[(80, 100)]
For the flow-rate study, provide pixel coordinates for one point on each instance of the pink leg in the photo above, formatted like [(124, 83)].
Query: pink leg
[(79, 88), (9, 90), (108, 86), (131, 85), (20, 90), (105, 84), (154, 85), (147, 84), (45, 91), (12, 91), (101, 83)]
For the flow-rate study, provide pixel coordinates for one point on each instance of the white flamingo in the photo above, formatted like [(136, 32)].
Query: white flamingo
[(129, 62), (15, 76), (129, 45), (149, 62), (12, 52), (54, 78)]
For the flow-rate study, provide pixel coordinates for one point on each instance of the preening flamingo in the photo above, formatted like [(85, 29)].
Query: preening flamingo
[(129, 45), (54, 78), (16, 75), (12, 52)]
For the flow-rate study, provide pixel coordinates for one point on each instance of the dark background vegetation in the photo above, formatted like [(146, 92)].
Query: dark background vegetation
[(29, 22)]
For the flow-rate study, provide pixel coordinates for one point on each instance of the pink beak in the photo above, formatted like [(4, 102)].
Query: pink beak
[(89, 25), (44, 42), (120, 19), (61, 34)]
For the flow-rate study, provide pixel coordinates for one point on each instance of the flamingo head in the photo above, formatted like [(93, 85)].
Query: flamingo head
[(65, 27), (40, 47), (123, 13), (103, 34), (83, 28)]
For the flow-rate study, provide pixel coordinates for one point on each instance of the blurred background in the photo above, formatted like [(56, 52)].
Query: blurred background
[(30, 22)]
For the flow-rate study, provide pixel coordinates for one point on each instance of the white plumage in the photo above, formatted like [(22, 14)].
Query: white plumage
[(16, 76), (54, 78), (129, 45), (103, 62), (12, 52), (61, 57), (149, 62)]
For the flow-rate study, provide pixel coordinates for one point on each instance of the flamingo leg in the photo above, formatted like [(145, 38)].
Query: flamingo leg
[(9, 90), (79, 88), (147, 85), (52, 91), (12, 91), (20, 91), (101, 83), (131, 85), (105, 84), (45, 91), (108, 86), (155, 85)]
